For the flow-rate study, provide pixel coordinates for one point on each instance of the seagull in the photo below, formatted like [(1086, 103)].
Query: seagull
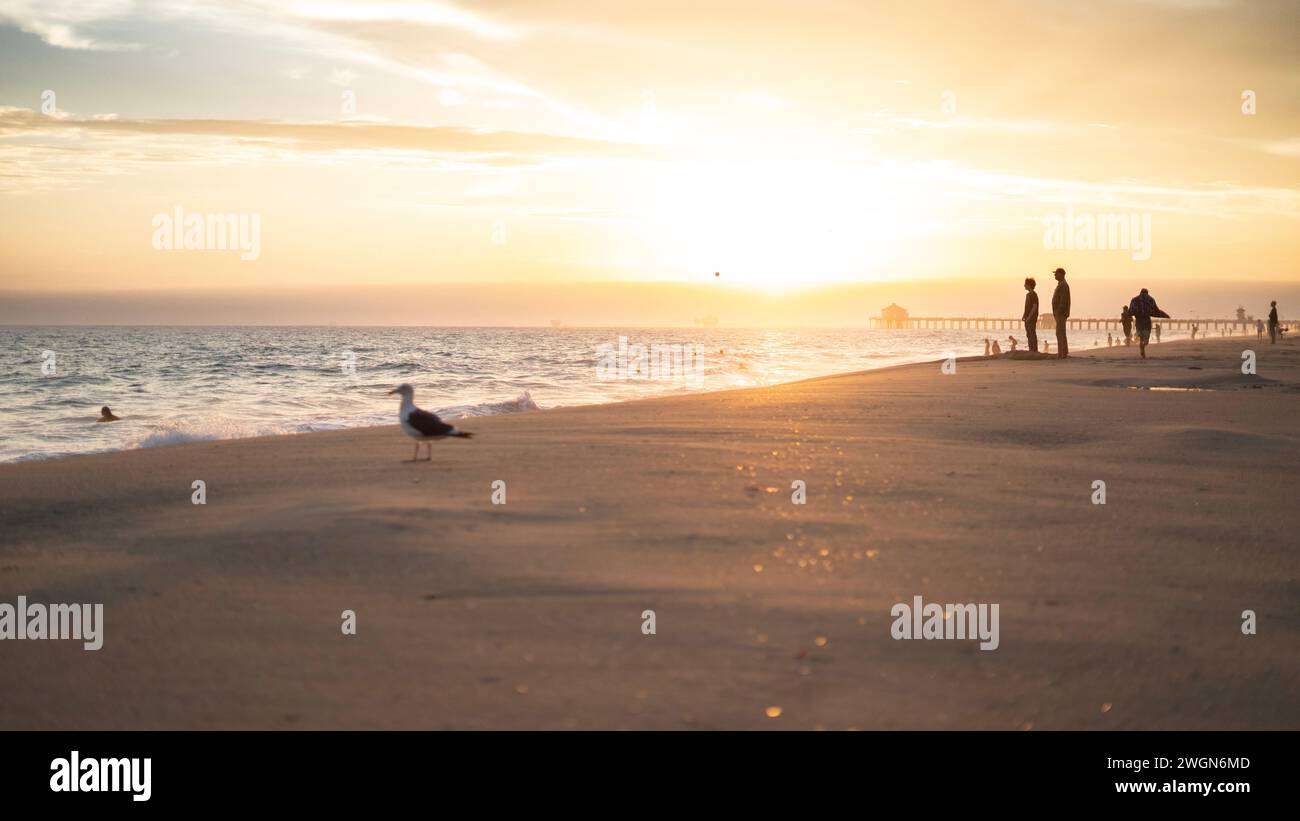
[(421, 425)]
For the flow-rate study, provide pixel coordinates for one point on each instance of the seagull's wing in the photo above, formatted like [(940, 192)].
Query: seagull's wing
[(428, 423)]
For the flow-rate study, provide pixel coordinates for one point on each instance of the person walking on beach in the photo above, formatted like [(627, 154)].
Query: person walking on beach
[(1193, 330), (1259, 329), (1030, 317), (1126, 319), (1272, 323), (1012, 341), (1061, 312), (1157, 332), (1143, 307), (986, 346)]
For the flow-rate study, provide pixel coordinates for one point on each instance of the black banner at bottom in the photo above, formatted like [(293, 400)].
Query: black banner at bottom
[(149, 771)]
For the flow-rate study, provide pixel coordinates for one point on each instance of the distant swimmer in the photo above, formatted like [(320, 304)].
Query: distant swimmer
[(106, 415)]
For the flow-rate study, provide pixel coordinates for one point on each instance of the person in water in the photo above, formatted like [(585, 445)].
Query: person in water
[(106, 415)]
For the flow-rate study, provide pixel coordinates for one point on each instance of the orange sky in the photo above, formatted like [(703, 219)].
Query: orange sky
[(784, 145)]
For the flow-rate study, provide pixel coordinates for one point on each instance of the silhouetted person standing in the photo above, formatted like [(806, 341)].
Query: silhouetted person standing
[(1272, 323), (1143, 307), (1126, 319), (1061, 312), (1031, 315), (1157, 332)]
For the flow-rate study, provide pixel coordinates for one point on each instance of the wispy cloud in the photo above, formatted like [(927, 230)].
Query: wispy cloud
[(58, 23), (56, 151), (391, 38), (330, 136), (887, 119), (432, 14)]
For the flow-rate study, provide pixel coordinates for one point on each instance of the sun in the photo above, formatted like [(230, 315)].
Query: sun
[(777, 221)]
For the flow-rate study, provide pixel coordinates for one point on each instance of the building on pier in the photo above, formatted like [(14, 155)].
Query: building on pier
[(893, 316)]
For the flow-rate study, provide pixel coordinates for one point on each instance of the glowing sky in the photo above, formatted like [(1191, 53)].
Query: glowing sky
[(783, 143)]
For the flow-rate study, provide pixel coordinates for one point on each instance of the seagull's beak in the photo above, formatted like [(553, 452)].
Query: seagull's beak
[(393, 391)]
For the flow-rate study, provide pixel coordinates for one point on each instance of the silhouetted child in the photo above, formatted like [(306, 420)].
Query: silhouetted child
[(1030, 315)]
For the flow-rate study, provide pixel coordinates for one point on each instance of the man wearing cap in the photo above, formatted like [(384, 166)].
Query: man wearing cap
[(1061, 312)]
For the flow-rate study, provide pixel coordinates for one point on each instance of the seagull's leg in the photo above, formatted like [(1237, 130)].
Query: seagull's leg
[(417, 451), (428, 449)]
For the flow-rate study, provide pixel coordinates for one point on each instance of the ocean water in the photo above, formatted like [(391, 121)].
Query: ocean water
[(172, 385)]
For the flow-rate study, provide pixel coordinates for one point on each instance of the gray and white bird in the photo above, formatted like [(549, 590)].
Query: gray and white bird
[(421, 425)]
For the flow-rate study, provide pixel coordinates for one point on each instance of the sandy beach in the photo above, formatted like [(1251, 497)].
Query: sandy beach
[(970, 487)]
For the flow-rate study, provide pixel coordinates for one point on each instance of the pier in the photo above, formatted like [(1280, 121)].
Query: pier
[(1047, 321)]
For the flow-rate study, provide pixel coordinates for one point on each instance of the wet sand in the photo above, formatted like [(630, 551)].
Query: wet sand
[(974, 487)]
